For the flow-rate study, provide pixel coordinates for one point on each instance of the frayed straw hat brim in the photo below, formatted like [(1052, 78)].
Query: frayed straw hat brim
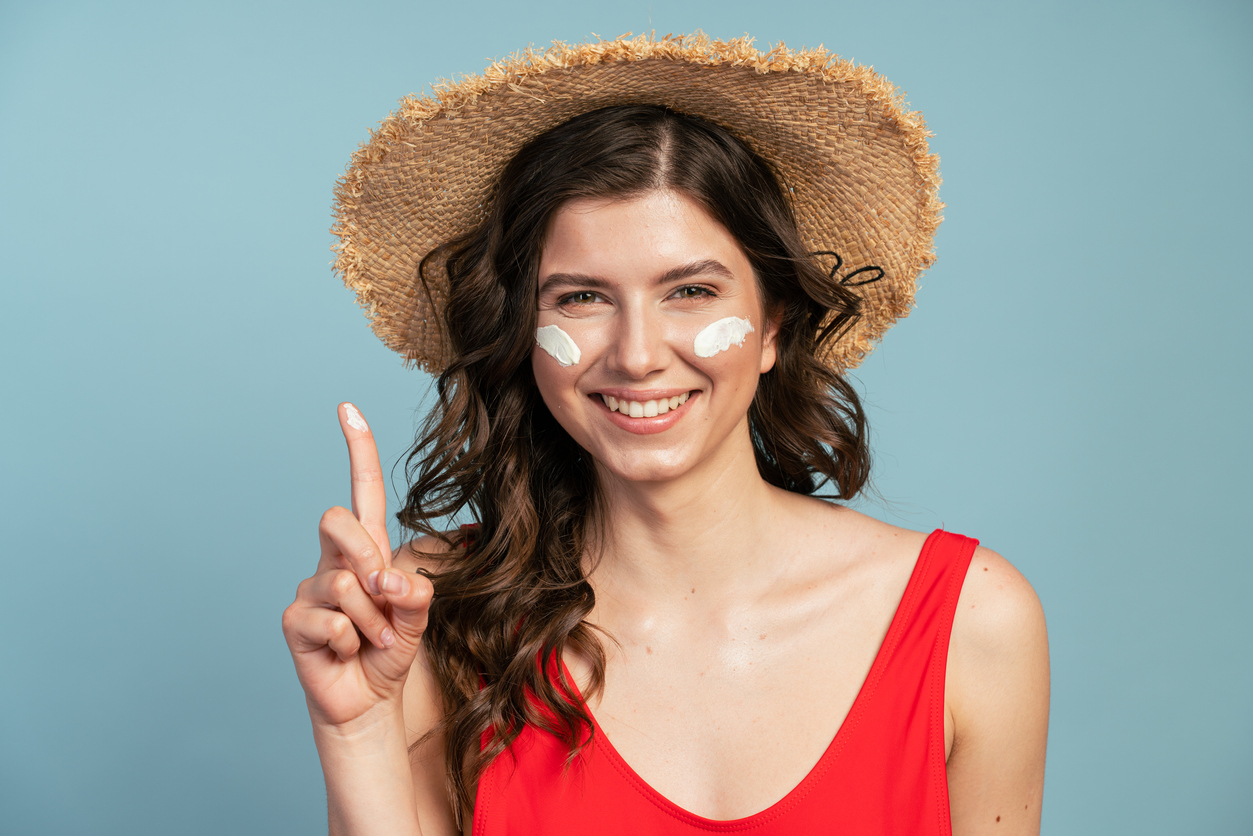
[(855, 163)]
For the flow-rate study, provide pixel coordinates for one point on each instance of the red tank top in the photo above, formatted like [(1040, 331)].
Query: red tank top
[(884, 773)]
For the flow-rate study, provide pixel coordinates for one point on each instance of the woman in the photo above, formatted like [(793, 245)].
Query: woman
[(652, 626)]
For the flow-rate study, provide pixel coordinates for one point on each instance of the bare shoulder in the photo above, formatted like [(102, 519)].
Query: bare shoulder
[(997, 698), (998, 613)]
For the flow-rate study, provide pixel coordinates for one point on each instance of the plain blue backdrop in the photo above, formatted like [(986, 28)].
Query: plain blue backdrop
[(1073, 387)]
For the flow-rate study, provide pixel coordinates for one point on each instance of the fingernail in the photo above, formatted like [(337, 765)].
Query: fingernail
[(395, 583), (372, 581), (388, 637), (354, 418)]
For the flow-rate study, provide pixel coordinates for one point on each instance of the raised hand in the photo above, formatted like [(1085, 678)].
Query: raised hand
[(356, 625)]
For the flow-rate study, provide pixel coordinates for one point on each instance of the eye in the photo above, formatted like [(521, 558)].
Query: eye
[(579, 297), (693, 291)]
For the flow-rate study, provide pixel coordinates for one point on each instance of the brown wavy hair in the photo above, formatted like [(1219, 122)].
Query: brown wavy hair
[(511, 593)]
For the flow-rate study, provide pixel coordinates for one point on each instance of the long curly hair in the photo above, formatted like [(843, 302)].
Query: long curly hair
[(511, 592)]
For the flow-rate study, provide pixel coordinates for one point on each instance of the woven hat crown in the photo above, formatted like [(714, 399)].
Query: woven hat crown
[(855, 163)]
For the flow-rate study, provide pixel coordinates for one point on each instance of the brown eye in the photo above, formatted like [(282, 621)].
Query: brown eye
[(581, 297), (692, 291)]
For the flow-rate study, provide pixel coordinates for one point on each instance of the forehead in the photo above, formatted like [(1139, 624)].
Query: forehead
[(641, 237)]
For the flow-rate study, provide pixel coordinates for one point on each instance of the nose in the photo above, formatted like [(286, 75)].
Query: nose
[(639, 345)]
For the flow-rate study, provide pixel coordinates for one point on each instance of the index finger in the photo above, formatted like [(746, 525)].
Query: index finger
[(369, 492)]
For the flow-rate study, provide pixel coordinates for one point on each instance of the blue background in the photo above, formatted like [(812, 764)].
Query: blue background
[(1073, 387)]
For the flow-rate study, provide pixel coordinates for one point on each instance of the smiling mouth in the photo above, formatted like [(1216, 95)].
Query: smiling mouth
[(645, 409)]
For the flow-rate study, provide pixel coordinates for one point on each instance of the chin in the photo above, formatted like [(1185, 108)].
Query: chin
[(645, 468)]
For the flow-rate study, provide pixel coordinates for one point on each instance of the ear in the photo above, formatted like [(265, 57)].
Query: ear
[(769, 339)]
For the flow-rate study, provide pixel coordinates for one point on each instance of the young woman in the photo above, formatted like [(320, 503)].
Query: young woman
[(640, 294)]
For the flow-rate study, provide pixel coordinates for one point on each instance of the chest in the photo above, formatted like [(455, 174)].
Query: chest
[(726, 719), (700, 731)]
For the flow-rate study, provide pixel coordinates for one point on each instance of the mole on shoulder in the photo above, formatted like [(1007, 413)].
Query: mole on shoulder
[(998, 818), (985, 568)]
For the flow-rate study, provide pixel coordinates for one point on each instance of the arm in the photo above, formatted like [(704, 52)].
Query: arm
[(997, 697), (355, 635)]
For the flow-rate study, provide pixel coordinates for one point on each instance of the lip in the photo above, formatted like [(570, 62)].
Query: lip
[(645, 426), (642, 395)]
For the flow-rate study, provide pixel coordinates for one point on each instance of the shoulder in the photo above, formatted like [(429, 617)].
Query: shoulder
[(998, 614), (857, 564)]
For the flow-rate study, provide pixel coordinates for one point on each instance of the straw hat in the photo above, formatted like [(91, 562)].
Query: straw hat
[(863, 184)]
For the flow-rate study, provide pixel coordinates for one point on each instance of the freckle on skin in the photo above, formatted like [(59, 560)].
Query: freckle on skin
[(693, 590), (648, 649), (762, 636), (998, 818)]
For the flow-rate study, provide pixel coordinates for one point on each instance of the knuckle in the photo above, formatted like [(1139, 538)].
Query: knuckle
[(343, 583), (290, 616), (341, 626), (368, 473), (332, 518)]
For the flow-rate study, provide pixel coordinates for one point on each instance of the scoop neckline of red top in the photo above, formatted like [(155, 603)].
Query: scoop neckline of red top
[(797, 793)]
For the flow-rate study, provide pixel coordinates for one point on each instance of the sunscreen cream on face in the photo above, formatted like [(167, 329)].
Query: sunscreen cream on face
[(559, 345), (720, 335)]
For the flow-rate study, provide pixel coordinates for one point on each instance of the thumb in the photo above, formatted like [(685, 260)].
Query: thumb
[(409, 596)]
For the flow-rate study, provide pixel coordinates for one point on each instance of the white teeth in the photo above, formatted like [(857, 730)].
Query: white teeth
[(644, 409)]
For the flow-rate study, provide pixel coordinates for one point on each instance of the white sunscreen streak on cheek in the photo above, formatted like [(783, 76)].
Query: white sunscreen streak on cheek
[(720, 335), (558, 345), (355, 420)]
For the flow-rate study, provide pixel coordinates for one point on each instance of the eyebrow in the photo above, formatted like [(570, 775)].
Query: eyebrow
[(674, 274)]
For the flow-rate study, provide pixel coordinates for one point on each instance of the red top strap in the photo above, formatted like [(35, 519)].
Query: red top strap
[(883, 773)]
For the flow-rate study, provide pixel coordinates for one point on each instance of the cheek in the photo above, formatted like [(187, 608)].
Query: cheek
[(722, 335), (558, 357), (559, 345), (724, 347), (572, 346), (731, 371), (551, 378), (735, 370)]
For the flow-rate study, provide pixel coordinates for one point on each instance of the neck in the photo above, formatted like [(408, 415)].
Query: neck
[(700, 531)]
